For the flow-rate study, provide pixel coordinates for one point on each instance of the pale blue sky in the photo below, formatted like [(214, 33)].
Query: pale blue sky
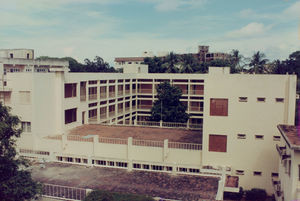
[(117, 28)]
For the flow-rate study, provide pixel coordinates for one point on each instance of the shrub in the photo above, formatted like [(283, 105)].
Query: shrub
[(256, 194), (100, 195), (234, 196)]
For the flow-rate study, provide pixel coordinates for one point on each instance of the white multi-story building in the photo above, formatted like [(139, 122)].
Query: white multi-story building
[(238, 113), (287, 182)]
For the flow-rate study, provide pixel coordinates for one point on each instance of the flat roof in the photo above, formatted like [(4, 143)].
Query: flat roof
[(291, 135), (155, 184), (140, 133), (120, 59)]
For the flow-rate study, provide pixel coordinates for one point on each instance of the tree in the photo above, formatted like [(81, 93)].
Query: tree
[(258, 62), (188, 63), (15, 181), (236, 61), (154, 64), (168, 107), (170, 63)]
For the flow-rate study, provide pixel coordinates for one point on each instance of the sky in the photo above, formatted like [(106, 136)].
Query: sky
[(122, 28)]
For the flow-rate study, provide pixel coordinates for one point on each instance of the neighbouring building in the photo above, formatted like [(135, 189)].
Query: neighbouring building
[(287, 182), (236, 116), (203, 55)]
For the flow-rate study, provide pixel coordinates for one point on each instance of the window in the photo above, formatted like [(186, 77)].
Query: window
[(274, 174), (77, 160), (261, 99), (111, 163), (276, 138), (121, 164), (218, 143), (70, 90), (279, 100), (11, 55), (24, 97), (27, 56), (93, 82), (70, 115), (4, 83), (241, 136), (257, 173), (156, 167), (194, 170), (169, 168), (26, 126), (146, 167), (239, 172), (136, 165), (92, 104), (218, 107), (259, 137), (243, 99), (182, 169)]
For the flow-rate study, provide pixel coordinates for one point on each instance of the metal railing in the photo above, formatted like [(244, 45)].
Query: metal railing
[(102, 95), (144, 106), (196, 92), (64, 192), (148, 123), (112, 94), (174, 125), (83, 98), (145, 91), (196, 109), (148, 143), (112, 140), (92, 96), (180, 145), (120, 93), (127, 92), (112, 113), (92, 119)]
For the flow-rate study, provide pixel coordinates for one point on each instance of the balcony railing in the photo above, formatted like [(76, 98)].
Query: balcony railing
[(144, 107), (112, 113), (83, 98), (92, 96), (102, 95), (112, 94), (127, 92), (93, 119), (120, 93), (145, 91), (197, 92), (103, 116), (196, 109)]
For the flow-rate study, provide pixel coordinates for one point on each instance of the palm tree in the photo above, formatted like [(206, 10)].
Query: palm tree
[(188, 63), (170, 63), (257, 62), (235, 60)]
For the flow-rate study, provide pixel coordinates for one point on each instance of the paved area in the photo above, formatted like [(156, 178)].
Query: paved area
[(180, 187), (142, 133)]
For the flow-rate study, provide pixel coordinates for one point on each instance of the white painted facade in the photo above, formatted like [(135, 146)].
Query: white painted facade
[(287, 183), (256, 105)]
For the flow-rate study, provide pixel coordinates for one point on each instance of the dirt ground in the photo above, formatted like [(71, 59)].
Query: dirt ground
[(180, 187), (142, 133)]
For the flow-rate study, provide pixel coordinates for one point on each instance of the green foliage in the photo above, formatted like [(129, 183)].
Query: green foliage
[(258, 62), (256, 194), (168, 106), (234, 196), (97, 65), (100, 195), (15, 182)]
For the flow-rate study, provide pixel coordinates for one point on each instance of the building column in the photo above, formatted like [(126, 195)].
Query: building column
[(129, 154)]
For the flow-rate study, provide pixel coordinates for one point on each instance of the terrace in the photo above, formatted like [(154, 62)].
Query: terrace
[(140, 133), (179, 187)]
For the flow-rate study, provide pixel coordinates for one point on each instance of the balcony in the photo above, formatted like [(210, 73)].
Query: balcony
[(197, 92), (112, 94), (120, 93), (145, 91), (112, 113), (103, 116), (92, 96), (83, 98), (102, 95), (195, 109), (145, 107), (127, 92), (93, 119)]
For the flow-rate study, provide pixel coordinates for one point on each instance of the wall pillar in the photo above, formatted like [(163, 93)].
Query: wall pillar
[(129, 153), (165, 150)]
